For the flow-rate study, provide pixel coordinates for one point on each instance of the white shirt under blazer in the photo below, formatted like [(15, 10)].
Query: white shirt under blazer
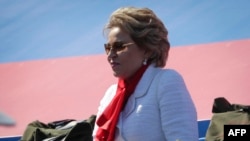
[(160, 109)]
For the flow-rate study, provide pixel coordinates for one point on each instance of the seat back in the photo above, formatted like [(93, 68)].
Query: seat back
[(10, 138), (202, 127)]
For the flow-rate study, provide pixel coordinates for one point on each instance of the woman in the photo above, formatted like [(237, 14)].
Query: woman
[(148, 103)]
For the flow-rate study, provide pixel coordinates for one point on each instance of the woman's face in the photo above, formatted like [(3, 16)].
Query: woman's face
[(127, 59)]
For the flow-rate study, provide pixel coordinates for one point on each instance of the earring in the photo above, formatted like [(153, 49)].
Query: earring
[(145, 61)]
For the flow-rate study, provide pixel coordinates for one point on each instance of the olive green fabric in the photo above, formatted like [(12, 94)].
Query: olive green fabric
[(39, 131), (225, 113)]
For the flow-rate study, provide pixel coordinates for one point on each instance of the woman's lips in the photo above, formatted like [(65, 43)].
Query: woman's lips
[(114, 64)]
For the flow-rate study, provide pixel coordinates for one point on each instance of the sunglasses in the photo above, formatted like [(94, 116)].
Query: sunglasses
[(117, 46)]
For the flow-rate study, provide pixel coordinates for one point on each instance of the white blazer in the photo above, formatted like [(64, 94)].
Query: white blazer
[(160, 109)]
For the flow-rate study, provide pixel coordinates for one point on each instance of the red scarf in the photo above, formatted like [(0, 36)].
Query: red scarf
[(109, 118)]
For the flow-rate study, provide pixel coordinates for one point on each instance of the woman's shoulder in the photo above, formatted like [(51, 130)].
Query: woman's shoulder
[(163, 71), (168, 73), (165, 75), (110, 92)]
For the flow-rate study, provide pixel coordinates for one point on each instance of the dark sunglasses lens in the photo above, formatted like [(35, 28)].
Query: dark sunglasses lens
[(118, 46)]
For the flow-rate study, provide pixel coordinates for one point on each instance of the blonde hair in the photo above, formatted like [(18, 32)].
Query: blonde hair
[(145, 28)]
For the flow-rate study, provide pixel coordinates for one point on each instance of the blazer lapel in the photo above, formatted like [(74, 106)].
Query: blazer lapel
[(141, 89)]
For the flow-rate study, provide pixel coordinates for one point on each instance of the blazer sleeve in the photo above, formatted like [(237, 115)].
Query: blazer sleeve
[(177, 110), (108, 96)]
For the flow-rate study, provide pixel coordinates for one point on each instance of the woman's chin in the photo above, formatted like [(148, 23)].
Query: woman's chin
[(115, 74), (118, 75)]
